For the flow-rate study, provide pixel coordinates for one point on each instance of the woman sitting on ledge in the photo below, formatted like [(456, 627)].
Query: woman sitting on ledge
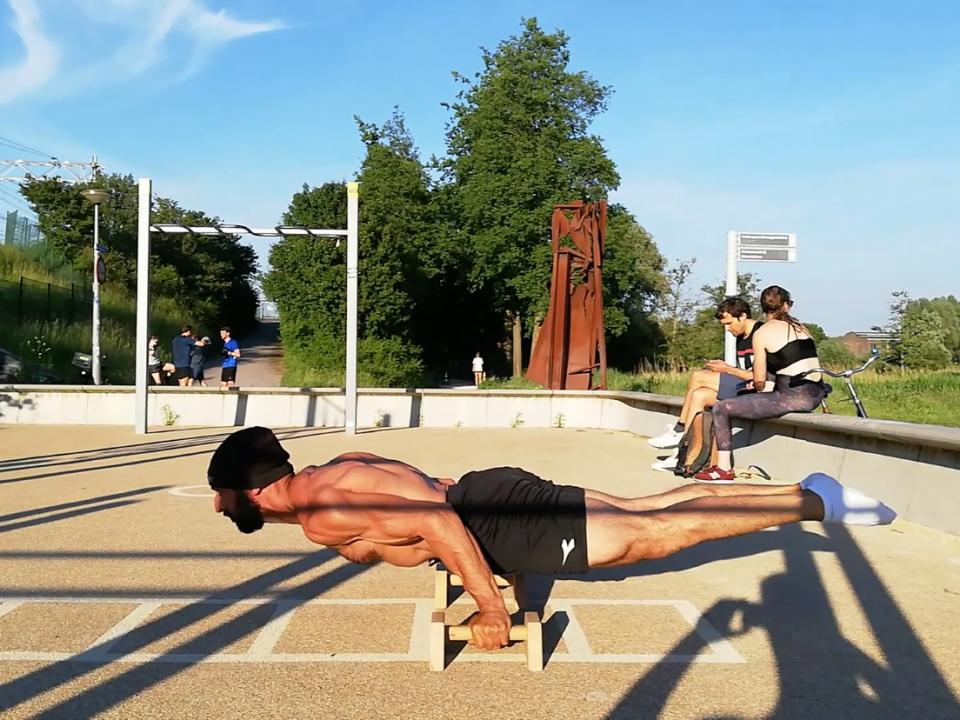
[(784, 348)]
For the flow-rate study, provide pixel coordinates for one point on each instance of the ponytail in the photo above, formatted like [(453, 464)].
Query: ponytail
[(772, 301)]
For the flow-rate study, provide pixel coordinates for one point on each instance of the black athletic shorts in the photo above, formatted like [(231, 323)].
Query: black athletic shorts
[(228, 374), (522, 522), (182, 373)]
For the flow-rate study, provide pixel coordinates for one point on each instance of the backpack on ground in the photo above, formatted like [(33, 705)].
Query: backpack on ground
[(698, 447)]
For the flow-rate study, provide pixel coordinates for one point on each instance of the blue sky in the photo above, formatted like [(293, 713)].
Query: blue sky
[(833, 120)]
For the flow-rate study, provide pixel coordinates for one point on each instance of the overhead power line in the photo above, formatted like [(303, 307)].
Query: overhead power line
[(13, 144)]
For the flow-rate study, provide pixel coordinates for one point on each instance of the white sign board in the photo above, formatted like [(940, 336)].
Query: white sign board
[(767, 254), (770, 240)]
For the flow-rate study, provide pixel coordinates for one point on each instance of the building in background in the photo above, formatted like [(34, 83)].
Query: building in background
[(862, 344)]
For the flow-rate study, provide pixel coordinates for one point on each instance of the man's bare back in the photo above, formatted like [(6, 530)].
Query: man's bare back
[(356, 473)]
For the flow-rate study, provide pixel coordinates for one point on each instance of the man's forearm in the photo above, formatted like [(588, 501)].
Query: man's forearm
[(456, 548)]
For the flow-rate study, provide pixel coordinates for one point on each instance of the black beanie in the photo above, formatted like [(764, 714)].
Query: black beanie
[(248, 459)]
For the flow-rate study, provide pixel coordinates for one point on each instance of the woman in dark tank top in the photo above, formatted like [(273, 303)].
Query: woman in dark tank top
[(782, 348)]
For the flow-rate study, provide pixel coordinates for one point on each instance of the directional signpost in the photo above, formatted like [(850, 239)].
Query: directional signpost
[(753, 247)]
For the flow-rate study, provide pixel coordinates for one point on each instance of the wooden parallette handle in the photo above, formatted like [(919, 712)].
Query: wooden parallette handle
[(463, 633)]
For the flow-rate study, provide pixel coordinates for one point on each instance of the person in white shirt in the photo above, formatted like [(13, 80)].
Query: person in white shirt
[(478, 376)]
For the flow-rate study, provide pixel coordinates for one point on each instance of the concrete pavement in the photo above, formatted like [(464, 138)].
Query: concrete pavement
[(123, 595)]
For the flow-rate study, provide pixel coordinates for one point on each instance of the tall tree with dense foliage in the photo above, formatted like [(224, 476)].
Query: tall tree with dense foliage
[(518, 144), (412, 282), (210, 278)]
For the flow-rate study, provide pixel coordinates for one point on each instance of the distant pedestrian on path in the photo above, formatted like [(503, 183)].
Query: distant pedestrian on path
[(231, 351), (478, 374)]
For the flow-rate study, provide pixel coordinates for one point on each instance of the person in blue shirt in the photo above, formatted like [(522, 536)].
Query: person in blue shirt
[(231, 351), (182, 350)]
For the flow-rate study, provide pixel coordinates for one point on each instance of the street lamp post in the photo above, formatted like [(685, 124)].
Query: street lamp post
[(96, 197)]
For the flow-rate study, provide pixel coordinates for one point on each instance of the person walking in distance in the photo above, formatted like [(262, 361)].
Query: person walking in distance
[(478, 376), (231, 351)]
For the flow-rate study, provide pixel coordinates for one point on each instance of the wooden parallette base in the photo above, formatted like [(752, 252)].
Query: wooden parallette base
[(531, 632)]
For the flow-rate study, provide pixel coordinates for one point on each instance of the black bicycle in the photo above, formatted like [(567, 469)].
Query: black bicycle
[(846, 375)]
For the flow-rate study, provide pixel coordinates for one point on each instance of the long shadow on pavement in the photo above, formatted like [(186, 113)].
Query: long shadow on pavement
[(78, 503), (821, 673), (121, 451), (191, 442), (97, 699)]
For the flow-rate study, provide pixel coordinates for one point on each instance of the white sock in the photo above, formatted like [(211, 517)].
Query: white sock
[(845, 505)]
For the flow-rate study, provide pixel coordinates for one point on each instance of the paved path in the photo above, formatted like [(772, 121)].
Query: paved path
[(261, 361), (122, 595)]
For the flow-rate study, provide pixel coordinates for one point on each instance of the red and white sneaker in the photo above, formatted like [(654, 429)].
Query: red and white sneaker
[(715, 476)]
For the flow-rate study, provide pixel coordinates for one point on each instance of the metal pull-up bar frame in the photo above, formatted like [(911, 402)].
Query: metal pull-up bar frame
[(145, 227)]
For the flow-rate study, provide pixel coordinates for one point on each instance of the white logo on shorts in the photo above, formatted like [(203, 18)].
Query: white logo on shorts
[(567, 547)]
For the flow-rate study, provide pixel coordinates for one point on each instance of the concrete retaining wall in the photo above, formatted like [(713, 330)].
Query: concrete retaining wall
[(915, 468)]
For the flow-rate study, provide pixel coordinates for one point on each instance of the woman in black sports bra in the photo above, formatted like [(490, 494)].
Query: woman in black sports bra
[(782, 348)]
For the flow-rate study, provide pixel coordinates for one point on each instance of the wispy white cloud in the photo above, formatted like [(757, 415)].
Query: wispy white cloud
[(72, 46), (41, 55)]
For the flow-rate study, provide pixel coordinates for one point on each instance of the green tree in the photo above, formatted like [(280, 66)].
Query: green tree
[(307, 279), (518, 145), (210, 278), (947, 308), (634, 282), (899, 301), (410, 265), (922, 339)]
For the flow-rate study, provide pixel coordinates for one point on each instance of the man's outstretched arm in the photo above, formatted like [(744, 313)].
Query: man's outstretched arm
[(344, 516)]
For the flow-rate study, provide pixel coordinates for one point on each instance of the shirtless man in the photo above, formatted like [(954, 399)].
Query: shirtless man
[(501, 520)]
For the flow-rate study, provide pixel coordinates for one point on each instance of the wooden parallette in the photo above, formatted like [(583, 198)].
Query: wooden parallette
[(531, 632)]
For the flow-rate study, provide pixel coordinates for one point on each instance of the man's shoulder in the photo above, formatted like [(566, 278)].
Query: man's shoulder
[(232, 344)]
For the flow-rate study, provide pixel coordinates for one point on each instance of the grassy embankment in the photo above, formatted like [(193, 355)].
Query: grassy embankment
[(50, 342), (908, 396)]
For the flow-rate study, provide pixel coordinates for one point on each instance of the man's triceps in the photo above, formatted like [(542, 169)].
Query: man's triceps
[(391, 520)]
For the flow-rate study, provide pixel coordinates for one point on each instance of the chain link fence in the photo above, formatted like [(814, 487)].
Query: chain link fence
[(29, 299)]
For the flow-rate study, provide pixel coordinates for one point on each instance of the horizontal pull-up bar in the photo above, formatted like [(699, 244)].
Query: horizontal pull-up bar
[(145, 230), (232, 229)]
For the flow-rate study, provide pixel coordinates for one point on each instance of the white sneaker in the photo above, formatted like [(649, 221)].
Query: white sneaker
[(670, 439), (666, 465)]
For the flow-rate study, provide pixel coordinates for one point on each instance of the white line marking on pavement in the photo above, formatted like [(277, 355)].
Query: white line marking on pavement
[(420, 633), (182, 491), (267, 638), (261, 650), (9, 606), (101, 646), (573, 635), (722, 649)]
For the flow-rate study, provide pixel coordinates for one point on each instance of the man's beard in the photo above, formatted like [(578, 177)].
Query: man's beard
[(246, 516)]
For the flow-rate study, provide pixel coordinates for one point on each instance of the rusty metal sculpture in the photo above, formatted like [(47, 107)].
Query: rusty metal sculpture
[(571, 344)]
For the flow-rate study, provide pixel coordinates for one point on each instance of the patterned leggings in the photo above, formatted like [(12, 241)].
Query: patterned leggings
[(781, 400)]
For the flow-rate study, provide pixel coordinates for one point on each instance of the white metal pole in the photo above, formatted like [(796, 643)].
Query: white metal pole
[(143, 305), (96, 294), (353, 254), (729, 341)]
